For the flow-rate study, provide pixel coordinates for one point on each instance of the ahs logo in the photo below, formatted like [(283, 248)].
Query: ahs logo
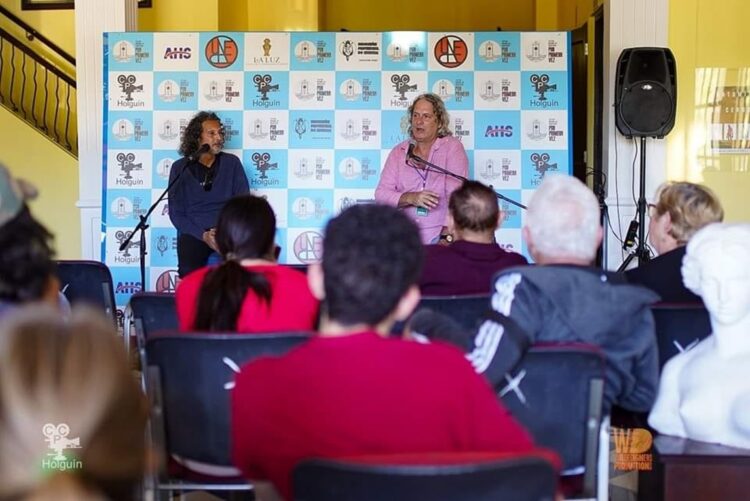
[(178, 53), (263, 85), (127, 85), (499, 131), (541, 85), (262, 165), (401, 85), (127, 165)]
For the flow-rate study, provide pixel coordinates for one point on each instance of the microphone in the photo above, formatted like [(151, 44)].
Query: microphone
[(203, 149), (208, 181), (410, 151), (630, 236)]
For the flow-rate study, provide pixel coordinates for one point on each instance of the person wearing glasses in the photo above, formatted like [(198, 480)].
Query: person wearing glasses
[(208, 177), (681, 209), (423, 193)]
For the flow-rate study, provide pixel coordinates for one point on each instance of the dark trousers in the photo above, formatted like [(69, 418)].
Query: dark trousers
[(191, 254)]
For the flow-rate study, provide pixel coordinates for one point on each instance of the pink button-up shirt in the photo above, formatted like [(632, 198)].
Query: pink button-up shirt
[(398, 178)]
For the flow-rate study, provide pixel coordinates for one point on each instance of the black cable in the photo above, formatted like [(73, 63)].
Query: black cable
[(599, 192), (618, 234), (632, 178)]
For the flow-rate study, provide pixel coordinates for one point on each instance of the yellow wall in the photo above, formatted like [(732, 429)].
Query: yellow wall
[(55, 174), (180, 15), (286, 15), (395, 15), (232, 15), (710, 54)]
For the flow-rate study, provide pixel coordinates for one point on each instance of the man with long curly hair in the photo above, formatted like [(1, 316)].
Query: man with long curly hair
[(208, 178), (420, 192)]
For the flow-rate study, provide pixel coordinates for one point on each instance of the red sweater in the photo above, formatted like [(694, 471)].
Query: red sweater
[(363, 394), (292, 306)]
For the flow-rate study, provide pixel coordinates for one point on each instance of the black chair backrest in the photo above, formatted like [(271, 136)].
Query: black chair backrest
[(87, 282), (679, 327), (152, 312), (193, 373), (557, 394), (466, 310), (520, 478)]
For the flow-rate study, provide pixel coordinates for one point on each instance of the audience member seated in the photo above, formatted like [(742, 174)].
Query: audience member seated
[(72, 417), (705, 392), (564, 299), (352, 390), (680, 210), (248, 292), (466, 265), (27, 265)]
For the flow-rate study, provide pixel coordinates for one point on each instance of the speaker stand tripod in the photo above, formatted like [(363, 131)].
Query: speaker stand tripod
[(640, 251)]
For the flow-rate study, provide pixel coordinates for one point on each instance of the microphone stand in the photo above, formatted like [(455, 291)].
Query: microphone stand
[(143, 225), (641, 252), (430, 165)]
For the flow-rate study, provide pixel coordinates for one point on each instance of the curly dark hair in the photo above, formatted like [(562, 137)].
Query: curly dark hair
[(191, 138), (372, 254), (26, 259)]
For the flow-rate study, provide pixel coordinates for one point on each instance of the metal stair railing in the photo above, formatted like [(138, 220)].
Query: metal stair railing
[(35, 86)]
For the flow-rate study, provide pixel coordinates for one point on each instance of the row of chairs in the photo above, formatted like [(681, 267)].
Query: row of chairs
[(533, 394), (678, 326), (190, 405)]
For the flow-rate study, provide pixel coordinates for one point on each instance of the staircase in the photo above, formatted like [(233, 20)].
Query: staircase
[(37, 82)]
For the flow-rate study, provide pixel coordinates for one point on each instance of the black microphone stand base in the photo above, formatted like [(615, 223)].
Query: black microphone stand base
[(642, 255)]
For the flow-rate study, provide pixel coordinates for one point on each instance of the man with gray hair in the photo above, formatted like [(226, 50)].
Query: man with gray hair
[(563, 299)]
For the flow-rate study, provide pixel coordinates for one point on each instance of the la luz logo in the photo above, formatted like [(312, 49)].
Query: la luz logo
[(221, 51)]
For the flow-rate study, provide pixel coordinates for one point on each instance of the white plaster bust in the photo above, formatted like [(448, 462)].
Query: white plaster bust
[(705, 392)]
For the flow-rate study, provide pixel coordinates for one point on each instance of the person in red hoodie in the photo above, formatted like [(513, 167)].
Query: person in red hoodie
[(352, 390)]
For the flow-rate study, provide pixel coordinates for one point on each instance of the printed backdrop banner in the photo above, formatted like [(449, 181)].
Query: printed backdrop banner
[(313, 117)]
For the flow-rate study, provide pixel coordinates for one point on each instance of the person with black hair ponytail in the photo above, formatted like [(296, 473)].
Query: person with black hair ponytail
[(248, 291)]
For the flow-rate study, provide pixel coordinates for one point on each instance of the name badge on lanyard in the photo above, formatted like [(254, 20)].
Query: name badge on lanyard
[(422, 211)]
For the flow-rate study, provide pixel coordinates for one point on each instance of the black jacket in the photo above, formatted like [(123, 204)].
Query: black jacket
[(564, 304)]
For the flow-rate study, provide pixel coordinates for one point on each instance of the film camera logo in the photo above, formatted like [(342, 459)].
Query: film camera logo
[(127, 165), (263, 85), (401, 86), (56, 435), (542, 86), (262, 164), (128, 86), (541, 164)]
